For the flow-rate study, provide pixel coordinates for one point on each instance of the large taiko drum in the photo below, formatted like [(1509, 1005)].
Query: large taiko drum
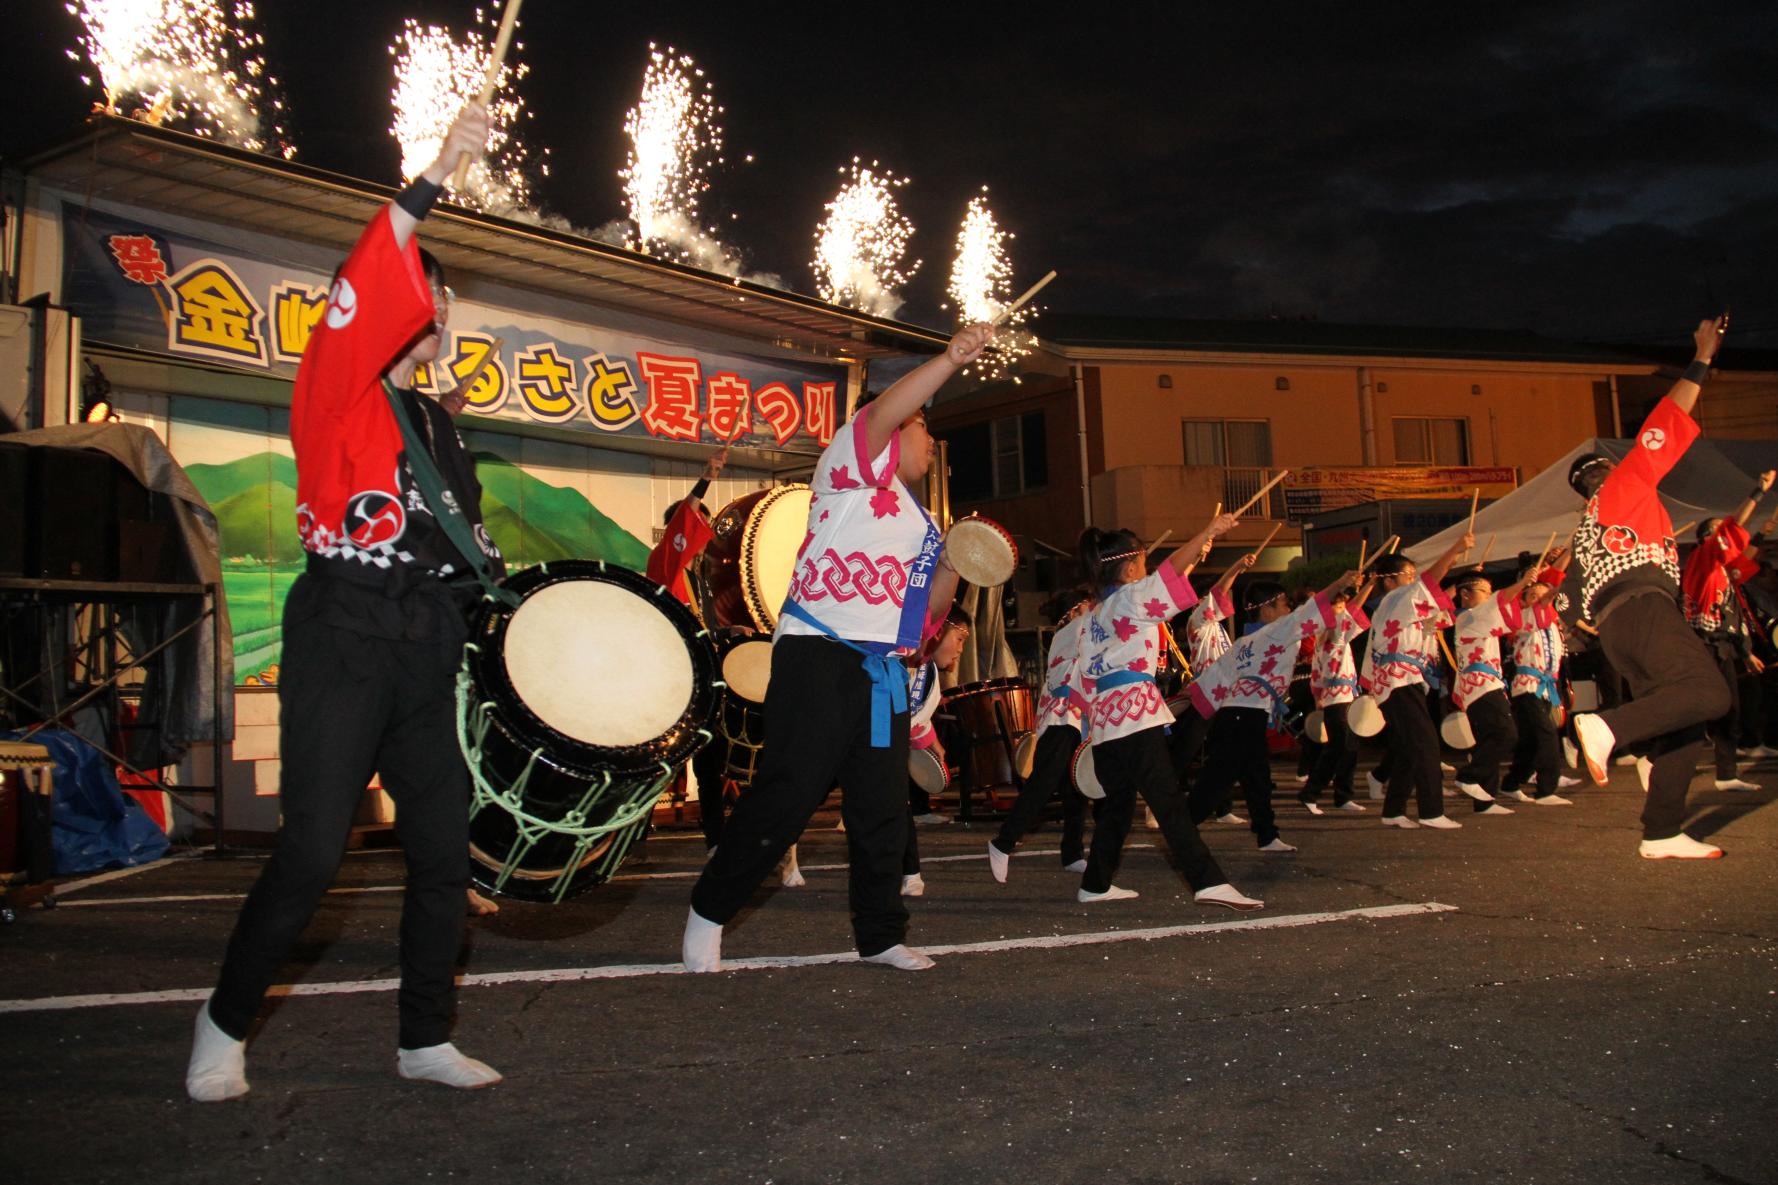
[(995, 715), (744, 574), (744, 663), (575, 709)]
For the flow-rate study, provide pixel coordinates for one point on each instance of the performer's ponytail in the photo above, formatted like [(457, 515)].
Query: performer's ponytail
[(1102, 554)]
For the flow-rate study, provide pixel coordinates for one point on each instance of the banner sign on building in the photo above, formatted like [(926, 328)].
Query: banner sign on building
[(136, 284), (1308, 492)]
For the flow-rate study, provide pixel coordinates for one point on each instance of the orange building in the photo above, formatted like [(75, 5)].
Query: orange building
[(1148, 424)]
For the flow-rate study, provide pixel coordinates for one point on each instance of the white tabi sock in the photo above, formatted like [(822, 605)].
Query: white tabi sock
[(702, 946), (903, 958), (1112, 894), (446, 1066), (1075, 866), (218, 1066), (998, 862)]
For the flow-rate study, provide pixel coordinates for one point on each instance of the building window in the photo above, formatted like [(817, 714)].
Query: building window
[(1427, 441), (1242, 449), (998, 459), (1230, 443)]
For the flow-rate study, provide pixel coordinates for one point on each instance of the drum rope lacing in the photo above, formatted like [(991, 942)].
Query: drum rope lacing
[(624, 825)]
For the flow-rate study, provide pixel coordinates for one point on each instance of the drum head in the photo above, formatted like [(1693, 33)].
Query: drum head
[(1455, 730), (747, 669), (775, 531), (927, 771), (1086, 779), (1024, 754), (598, 663), (1365, 716), (1315, 727), (981, 551)]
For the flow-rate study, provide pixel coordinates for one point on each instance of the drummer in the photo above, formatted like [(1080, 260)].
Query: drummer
[(687, 533), (869, 577), (924, 694), (1126, 716), (1245, 691), (1479, 687), (1060, 708), (372, 638)]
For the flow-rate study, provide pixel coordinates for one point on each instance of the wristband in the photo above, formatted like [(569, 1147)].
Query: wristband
[(418, 197), (1697, 372)]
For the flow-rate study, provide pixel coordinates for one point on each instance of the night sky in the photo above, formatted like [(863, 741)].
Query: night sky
[(1597, 170)]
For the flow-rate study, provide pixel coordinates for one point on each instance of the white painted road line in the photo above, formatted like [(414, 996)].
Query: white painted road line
[(634, 876), (769, 962), (119, 873)]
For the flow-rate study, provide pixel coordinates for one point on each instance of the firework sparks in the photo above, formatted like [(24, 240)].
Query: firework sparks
[(198, 65), (981, 286), (675, 132), (860, 245), (435, 75)]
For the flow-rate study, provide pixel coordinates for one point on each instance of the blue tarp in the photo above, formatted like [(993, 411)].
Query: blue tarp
[(97, 826)]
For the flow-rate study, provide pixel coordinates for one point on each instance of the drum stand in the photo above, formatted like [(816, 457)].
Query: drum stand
[(25, 815), (1003, 737)]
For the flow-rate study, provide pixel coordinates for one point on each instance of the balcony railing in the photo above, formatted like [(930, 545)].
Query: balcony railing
[(1241, 482)]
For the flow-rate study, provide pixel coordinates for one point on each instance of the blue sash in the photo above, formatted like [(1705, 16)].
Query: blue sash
[(917, 689), (888, 678), (1547, 688), (1419, 664), (1121, 679), (918, 593), (1485, 668)]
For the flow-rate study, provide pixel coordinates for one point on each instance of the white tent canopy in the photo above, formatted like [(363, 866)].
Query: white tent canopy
[(1713, 478)]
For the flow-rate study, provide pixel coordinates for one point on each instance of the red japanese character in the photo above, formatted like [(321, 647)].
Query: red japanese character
[(139, 258), (728, 406), (778, 404), (819, 418), (672, 409)]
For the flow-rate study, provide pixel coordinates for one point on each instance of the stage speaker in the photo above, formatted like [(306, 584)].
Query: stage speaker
[(149, 550), (14, 464), (71, 515)]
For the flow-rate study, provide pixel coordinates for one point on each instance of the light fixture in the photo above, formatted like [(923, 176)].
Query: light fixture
[(1165, 382), (1281, 383)]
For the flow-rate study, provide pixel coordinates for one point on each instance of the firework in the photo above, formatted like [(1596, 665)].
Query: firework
[(675, 132), (436, 73), (860, 245), (981, 287), (198, 65)]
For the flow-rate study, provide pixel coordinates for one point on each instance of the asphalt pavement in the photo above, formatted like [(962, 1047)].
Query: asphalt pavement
[(1520, 1000)]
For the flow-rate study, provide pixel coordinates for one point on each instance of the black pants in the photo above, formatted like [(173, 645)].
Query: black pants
[(1413, 754), (818, 731), (1539, 751), (1051, 773), (1185, 740), (1496, 737), (910, 848), (1675, 688), (1132, 765), (1337, 760), (709, 764), (1237, 753), (1725, 730), (353, 705)]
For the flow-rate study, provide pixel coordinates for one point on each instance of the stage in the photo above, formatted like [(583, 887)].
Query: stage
[(1524, 996)]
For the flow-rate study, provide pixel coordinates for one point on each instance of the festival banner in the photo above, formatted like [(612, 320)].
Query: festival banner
[(1308, 492), (137, 284)]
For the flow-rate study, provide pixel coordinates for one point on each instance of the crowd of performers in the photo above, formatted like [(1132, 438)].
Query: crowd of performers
[(374, 626)]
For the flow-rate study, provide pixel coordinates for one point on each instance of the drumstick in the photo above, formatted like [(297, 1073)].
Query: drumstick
[(1544, 554), (468, 380), (1474, 497), (1394, 542), (1217, 513), (1488, 550), (1282, 474), (508, 19), (1382, 551), (1361, 546), (1158, 542), (1268, 539), (1018, 304)]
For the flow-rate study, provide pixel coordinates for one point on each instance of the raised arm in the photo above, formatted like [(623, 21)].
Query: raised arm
[(909, 393), (1708, 337), (1235, 569), (1185, 556), (468, 134), (1442, 565), (1760, 489)]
